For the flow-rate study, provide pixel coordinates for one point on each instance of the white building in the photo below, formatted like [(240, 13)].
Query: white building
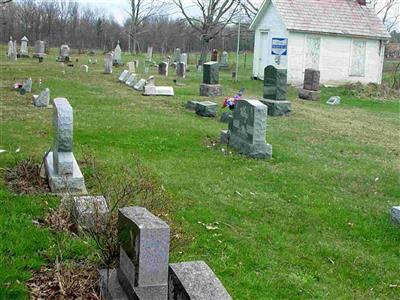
[(344, 39)]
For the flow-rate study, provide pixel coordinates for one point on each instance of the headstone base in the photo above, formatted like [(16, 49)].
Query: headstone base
[(260, 151), (206, 109), (395, 214), (277, 108), (211, 90), (309, 95), (58, 184), (191, 105), (110, 287), (224, 137)]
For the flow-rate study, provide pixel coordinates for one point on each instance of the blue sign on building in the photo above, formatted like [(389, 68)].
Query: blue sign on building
[(279, 46)]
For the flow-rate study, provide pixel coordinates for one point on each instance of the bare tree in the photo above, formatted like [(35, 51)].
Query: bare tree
[(388, 11), (141, 11), (211, 21), (5, 1), (249, 9)]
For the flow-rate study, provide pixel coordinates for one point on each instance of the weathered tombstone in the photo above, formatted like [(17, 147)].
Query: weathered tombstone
[(195, 281), (163, 68), (310, 90), (144, 254), (151, 80), (191, 105), (149, 56), (214, 55), (248, 127), (139, 86), (90, 212), (43, 99), (152, 90), (23, 51), (124, 76), (132, 80), (177, 55), (395, 214), (61, 167), (26, 87), (225, 117), (39, 49), (108, 63), (181, 70), (132, 67), (144, 273), (85, 68), (10, 48), (64, 54), (275, 91), (210, 86), (184, 58), (14, 55), (117, 59), (206, 109), (224, 60)]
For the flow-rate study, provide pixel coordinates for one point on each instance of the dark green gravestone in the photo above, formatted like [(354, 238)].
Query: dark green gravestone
[(275, 83), (211, 73), (248, 128)]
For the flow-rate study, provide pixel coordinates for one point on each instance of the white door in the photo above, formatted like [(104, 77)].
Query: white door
[(263, 53), (313, 47)]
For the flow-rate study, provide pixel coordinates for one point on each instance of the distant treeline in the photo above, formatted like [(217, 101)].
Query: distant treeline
[(61, 21)]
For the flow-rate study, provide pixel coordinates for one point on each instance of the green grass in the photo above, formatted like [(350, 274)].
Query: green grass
[(312, 223)]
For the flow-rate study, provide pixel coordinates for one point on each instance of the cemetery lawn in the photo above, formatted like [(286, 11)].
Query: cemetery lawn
[(312, 223)]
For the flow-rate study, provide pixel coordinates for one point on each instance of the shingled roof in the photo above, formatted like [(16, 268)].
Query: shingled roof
[(342, 17)]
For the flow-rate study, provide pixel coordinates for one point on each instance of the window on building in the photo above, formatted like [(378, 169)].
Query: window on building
[(357, 64), (313, 48)]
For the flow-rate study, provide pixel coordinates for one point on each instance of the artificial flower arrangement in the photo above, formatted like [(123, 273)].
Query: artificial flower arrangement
[(231, 101)]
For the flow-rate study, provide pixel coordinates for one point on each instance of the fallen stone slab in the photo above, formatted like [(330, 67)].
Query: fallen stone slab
[(43, 99), (309, 95), (151, 90), (139, 86), (195, 281), (206, 109), (191, 105), (124, 76), (132, 80)]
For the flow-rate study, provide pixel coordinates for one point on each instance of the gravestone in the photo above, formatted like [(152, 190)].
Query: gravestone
[(163, 69), (117, 59), (144, 273), (195, 281), (26, 87), (10, 50), (108, 63), (395, 214), (64, 54), (310, 90), (225, 117), (224, 60), (23, 51), (206, 109), (151, 80), (177, 55), (85, 68), (15, 51), (149, 56), (139, 86), (275, 91), (184, 58), (39, 49), (132, 67), (334, 101), (132, 80), (248, 127), (43, 99), (191, 105), (181, 70), (214, 55), (124, 76), (210, 86), (90, 212), (61, 166), (152, 90)]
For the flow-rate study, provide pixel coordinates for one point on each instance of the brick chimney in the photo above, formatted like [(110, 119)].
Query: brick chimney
[(362, 2)]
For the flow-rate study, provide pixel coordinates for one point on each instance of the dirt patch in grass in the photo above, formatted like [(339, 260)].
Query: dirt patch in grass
[(65, 281), (24, 178)]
